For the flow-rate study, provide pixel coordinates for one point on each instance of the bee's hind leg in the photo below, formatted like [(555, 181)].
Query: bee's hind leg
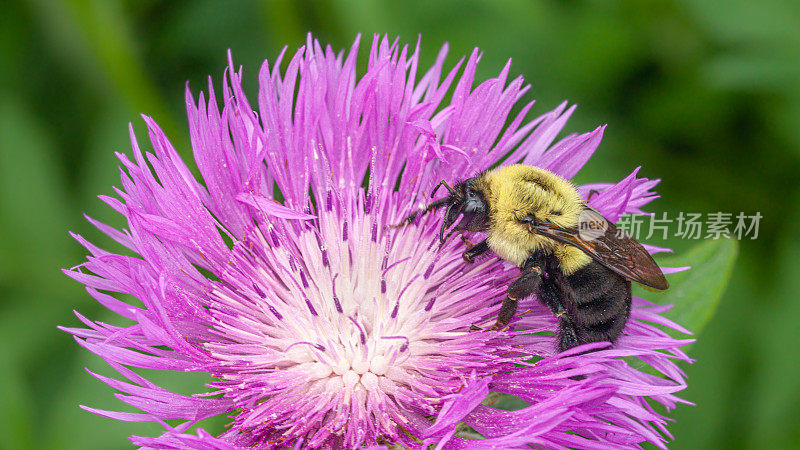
[(567, 334), (550, 295)]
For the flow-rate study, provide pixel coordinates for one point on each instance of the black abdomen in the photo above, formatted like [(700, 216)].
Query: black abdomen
[(597, 304)]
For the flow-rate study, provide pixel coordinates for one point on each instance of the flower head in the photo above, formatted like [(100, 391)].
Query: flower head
[(321, 326)]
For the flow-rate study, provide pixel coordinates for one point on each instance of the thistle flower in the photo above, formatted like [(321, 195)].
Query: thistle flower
[(321, 326)]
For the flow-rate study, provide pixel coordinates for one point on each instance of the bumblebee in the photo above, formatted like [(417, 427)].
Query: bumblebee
[(576, 262)]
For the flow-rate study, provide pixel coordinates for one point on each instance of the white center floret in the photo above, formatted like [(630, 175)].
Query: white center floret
[(329, 314)]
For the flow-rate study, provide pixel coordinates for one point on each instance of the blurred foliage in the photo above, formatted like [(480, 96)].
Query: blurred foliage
[(696, 293), (704, 95)]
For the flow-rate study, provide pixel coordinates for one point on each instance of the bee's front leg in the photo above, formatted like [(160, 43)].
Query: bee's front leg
[(409, 219), (475, 250)]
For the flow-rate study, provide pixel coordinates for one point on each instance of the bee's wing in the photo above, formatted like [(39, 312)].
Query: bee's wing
[(613, 249)]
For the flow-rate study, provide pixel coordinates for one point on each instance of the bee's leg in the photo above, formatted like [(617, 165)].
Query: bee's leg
[(475, 250), (591, 193), (520, 288), (506, 313), (421, 212), (567, 334), (407, 220), (550, 295)]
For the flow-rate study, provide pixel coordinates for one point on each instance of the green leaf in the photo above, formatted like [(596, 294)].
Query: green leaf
[(505, 402), (696, 293)]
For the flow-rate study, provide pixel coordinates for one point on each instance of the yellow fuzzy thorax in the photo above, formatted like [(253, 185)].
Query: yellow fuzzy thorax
[(516, 191)]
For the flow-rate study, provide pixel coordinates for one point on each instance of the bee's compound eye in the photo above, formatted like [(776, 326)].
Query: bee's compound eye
[(473, 203)]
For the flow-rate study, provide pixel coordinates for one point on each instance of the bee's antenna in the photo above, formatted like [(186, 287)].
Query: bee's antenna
[(442, 183)]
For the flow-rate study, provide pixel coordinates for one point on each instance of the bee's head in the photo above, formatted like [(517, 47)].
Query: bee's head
[(468, 201)]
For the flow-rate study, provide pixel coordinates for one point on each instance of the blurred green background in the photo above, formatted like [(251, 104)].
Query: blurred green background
[(703, 94)]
